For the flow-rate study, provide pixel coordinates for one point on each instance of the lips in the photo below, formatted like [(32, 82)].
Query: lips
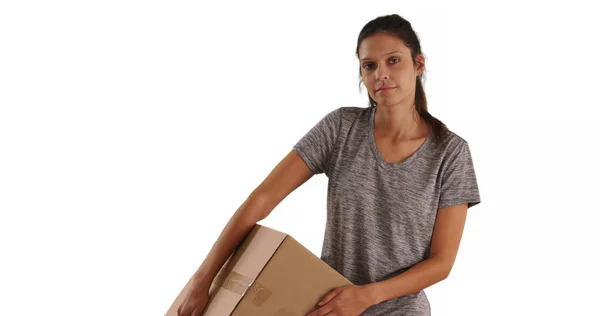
[(384, 89)]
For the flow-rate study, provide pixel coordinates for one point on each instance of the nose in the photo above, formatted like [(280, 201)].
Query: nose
[(381, 74)]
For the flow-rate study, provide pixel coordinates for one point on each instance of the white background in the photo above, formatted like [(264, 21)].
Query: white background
[(130, 131)]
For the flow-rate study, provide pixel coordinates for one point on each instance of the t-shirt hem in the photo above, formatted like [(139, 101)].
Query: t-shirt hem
[(306, 159), (470, 203)]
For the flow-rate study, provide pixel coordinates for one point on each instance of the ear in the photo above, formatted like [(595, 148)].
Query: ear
[(420, 64)]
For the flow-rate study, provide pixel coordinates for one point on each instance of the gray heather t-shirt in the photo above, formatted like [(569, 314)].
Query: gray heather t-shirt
[(380, 215)]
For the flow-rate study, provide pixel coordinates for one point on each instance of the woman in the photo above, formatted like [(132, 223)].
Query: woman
[(400, 184)]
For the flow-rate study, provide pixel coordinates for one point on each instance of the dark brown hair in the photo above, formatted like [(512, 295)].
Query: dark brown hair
[(397, 26)]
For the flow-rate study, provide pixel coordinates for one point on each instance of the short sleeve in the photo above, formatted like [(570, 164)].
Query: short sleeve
[(459, 182), (316, 147)]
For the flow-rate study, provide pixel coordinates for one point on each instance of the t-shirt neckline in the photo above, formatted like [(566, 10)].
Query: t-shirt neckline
[(382, 162)]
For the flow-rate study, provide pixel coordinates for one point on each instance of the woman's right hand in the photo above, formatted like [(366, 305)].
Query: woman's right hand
[(195, 302)]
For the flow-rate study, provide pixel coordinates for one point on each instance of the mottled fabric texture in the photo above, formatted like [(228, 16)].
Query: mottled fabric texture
[(380, 215)]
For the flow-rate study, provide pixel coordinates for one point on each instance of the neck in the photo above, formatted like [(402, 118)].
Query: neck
[(399, 123)]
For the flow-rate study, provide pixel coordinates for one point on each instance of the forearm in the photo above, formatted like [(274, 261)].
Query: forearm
[(417, 278), (238, 227)]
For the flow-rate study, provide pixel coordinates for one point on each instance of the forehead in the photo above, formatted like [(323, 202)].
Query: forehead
[(379, 44)]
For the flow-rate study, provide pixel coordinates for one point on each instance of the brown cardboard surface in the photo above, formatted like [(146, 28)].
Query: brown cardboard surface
[(269, 274), (248, 261), (238, 272), (292, 283)]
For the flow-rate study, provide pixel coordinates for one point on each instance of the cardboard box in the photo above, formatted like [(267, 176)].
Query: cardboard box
[(269, 274)]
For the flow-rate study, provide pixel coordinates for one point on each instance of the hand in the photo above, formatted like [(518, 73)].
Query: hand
[(195, 302), (349, 300)]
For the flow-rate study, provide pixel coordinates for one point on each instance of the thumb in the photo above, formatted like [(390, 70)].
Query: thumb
[(330, 296)]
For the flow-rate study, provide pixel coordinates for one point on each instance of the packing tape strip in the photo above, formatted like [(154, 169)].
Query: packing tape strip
[(234, 282), (259, 294), (240, 284)]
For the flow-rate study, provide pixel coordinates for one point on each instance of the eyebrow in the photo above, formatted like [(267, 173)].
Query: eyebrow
[(396, 51)]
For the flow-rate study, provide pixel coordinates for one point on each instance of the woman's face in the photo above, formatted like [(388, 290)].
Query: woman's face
[(387, 70)]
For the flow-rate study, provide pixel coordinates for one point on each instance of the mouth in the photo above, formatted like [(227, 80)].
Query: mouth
[(385, 89)]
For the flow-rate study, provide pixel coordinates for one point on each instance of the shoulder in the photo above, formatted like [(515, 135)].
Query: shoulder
[(352, 113), (345, 115), (450, 145), (354, 110)]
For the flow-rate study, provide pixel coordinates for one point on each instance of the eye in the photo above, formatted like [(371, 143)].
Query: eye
[(396, 60), (367, 65)]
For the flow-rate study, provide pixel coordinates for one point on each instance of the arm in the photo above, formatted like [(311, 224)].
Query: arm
[(447, 233), (288, 175)]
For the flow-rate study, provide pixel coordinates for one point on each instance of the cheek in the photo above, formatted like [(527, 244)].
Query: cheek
[(368, 82)]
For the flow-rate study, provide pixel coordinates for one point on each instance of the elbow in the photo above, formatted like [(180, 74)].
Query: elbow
[(444, 267), (445, 271), (445, 274), (256, 207)]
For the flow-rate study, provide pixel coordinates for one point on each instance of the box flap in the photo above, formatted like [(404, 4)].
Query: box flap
[(291, 284), (238, 273), (245, 265)]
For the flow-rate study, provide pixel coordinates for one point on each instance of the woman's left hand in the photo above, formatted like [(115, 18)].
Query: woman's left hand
[(349, 300)]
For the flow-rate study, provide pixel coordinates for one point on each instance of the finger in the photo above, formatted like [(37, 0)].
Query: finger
[(179, 309), (329, 296), (185, 311), (325, 310), (196, 312)]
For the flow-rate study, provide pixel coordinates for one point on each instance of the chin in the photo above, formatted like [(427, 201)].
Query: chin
[(386, 102)]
